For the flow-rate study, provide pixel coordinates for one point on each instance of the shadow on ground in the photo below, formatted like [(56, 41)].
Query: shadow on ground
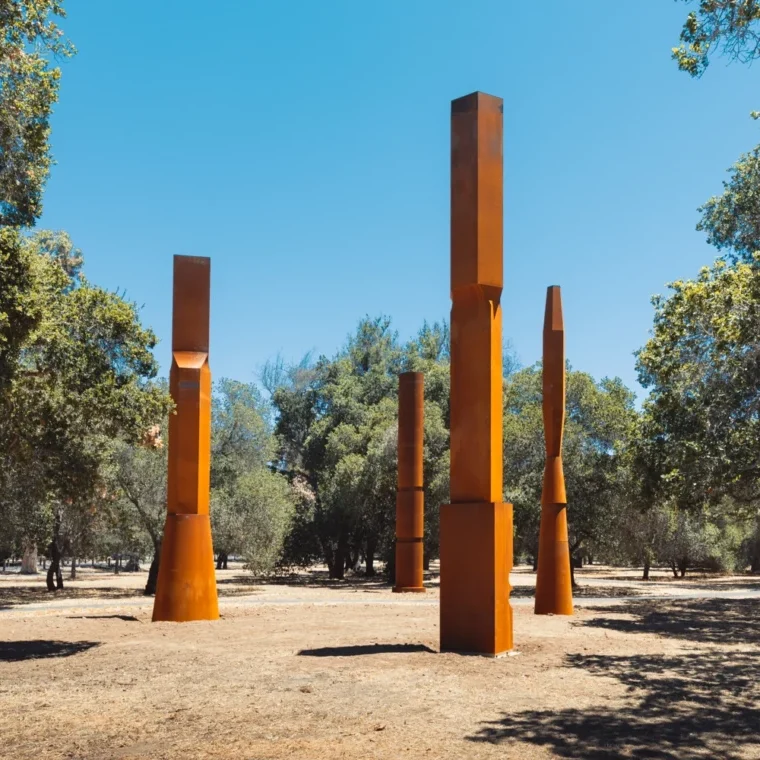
[(17, 651), (707, 621), (582, 592), (11, 596), (704, 703), (354, 651), (311, 579), (124, 618)]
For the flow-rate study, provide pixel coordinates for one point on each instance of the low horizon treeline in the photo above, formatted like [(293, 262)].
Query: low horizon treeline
[(303, 466)]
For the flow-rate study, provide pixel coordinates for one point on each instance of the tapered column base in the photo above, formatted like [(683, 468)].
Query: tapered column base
[(186, 587), (554, 588), (476, 557)]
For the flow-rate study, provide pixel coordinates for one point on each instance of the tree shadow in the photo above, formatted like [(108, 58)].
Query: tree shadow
[(17, 651), (707, 621), (125, 618), (704, 703), (688, 707), (582, 592), (362, 649), (11, 596), (311, 579)]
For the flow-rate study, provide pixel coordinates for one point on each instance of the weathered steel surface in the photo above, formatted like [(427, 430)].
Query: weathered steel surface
[(554, 593), (476, 528), (186, 587)]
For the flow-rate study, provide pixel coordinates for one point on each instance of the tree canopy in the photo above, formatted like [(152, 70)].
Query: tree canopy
[(725, 26)]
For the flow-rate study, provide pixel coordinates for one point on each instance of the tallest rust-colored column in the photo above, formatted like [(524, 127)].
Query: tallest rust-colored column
[(476, 528), (554, 592), (186, 588)]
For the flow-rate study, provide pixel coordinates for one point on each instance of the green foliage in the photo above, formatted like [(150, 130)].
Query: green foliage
[(253, 517), (725, 25), (136, 481), (28, 91), (251, 506), (701, 366), (337, 426), (18, 312), (599, 422), (78, 376), (241, 438), (732, 220)]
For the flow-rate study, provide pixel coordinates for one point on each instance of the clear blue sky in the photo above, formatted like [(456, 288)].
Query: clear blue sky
[(305, 147)]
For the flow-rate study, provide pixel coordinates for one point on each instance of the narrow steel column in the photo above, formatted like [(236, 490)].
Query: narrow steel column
[(186, 586), (410, 499), (554, 592), (476, 528)]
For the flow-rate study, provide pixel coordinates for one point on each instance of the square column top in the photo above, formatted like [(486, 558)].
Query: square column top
[(477, 195), (192, 295)]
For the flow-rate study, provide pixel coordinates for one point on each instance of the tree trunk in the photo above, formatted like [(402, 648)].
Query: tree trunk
[(221, 561), (54, 578), (645, 576), (117, 564), (352, 558), (390, 565), (338, 566), (29, 560), (673, 568), (575, 562), (535, 563), (370, 558), (150, 586), (425, 561), (73, 573)]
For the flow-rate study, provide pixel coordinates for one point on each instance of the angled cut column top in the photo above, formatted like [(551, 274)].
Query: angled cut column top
[(192, 290), (553, 372), (553, 319)]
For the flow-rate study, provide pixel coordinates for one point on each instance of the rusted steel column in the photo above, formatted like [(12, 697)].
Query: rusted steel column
[(554, 592), (186, 587), (476, 528), (410, 499)]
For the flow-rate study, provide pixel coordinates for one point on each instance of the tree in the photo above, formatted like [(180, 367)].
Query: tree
[(702, 366), (137, 476), (81, 378), (252, 506), (252, 518), (732, 220), (599, 421), (337, 421), (28, 91), (728, 26)]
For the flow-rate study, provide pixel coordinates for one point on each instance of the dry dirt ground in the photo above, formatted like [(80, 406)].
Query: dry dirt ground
[(310, 670)]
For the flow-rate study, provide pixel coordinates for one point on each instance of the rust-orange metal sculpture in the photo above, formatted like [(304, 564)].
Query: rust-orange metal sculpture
[(410, 499), (186, 587), (554, 593), (476, 528)]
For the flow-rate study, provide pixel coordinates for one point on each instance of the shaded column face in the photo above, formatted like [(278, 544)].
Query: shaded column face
[(409, 496), (554, 594), (476, 528), (186, 586)]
